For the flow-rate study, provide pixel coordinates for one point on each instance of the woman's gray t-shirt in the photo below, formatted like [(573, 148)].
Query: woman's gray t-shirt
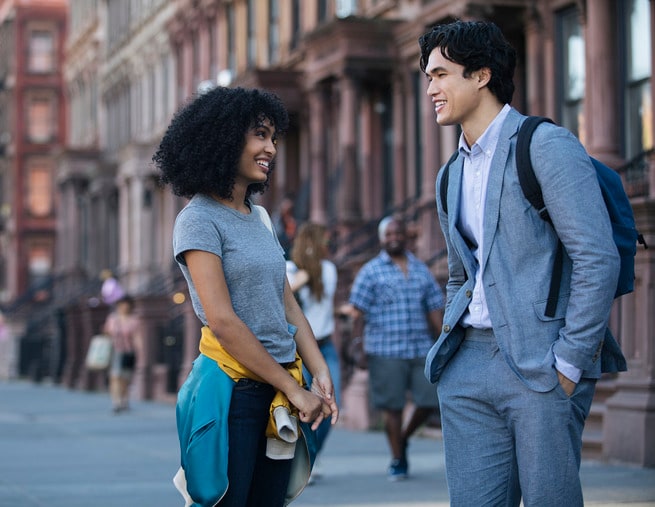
[(253, 264)]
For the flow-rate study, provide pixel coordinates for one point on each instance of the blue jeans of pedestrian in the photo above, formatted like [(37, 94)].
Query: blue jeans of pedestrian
[(332, 359), (254, 479)]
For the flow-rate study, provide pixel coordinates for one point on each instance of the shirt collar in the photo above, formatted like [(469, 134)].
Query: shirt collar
[(489, 137)]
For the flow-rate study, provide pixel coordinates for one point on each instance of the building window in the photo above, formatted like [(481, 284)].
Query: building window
[(195, 60), (346, 8), (213, 57), (295, 23), (322, 11), (571, 50), (137, 113), (111, 106), (273, 31), (252, 34), (383, 107), (119, 122), (638, 106), (125, 126), (93, 108), (39, 190), (231, 40), (40, 119), (119, 13), (41, 51), (165, 80), (79, 113), (151, 98), (179, 74)]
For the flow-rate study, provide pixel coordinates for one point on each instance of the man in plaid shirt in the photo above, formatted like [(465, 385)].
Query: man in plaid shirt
[(399, 303)]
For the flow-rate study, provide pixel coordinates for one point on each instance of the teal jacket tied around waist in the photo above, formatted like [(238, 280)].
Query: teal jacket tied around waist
[(202, 409)]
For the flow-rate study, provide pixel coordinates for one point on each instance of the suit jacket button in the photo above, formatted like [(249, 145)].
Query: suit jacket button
[(469, 293), (446, 329), (598, 351)]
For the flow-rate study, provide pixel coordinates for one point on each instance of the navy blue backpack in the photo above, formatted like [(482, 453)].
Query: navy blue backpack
[(616, 200)]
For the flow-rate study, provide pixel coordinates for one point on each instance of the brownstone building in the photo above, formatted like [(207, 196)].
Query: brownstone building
[(32, 128), (363, 143)]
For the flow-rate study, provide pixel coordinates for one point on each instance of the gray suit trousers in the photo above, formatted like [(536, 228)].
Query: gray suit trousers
[(504, 441)]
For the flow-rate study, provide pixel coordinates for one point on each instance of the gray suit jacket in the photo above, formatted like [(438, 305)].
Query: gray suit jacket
[(518, 252)]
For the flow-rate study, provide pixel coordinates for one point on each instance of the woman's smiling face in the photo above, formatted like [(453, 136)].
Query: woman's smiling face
[(258, 153)]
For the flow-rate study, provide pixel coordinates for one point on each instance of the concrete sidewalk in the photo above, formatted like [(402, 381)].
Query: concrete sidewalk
[(65, 448)]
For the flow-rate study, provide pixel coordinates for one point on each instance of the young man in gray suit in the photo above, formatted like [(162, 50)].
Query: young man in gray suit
[(514, 385)]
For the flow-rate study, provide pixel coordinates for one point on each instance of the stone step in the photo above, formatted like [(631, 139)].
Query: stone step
[(596, 416), (592, 444)]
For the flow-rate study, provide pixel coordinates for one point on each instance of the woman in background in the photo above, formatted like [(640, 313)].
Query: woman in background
[(124, 329), (313, 279)]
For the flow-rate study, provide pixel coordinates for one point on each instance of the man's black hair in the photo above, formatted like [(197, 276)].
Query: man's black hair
[(474, 45)]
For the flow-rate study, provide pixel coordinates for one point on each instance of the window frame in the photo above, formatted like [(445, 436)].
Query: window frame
[(570, 108), (48, 55), (633, 142), (33, 123), (36, 193)]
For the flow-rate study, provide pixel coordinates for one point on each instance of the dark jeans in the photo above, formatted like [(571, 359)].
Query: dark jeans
[(254, 479)]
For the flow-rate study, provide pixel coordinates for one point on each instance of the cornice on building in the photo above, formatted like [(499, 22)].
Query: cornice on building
[(286, 83), (85, 64), (189, 16), (89, 37), (346, 46), (76, 164)]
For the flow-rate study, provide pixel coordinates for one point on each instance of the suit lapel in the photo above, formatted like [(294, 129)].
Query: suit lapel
[(495, 183)]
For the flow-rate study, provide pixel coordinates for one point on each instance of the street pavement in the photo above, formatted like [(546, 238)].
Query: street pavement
[(61, 447)]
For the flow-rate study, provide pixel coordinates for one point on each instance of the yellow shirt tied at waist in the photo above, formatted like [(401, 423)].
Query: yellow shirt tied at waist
[(282, 429)]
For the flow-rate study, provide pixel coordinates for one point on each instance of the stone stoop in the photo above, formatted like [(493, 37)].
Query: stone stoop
[(592, 437)]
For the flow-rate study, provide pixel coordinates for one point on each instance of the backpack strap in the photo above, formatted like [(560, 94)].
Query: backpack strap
[(263, 216), (443, 188), (532, 192), (555, 281), (528, 180)]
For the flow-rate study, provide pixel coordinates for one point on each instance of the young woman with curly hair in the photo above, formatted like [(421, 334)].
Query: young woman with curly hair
[(219, 150), (313, 278)]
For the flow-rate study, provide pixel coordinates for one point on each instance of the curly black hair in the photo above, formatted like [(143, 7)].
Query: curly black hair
[(202, 146), (474, 45)]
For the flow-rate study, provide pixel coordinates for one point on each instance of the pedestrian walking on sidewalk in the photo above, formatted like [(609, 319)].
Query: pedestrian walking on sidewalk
[(397, 302), (515, 384), (124, 328), (219, 151)]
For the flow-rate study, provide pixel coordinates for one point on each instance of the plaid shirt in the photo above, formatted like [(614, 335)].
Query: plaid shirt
[(395, 306)]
